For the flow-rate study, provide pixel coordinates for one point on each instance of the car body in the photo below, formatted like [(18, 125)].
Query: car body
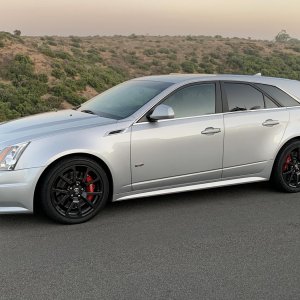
[(142, 157)]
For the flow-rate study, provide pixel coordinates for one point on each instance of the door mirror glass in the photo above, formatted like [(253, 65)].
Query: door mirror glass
[(162, 112)]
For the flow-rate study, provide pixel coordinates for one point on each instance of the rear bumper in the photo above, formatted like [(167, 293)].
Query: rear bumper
[(17, 190)]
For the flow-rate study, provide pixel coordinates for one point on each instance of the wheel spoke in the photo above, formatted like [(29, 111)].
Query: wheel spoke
[(79, 209), (287, 173), (94, 193), (74, 173), (63, 200), (70, 207), (88, 202), (86, 174), (93, 181), (65, 179), (60, 191), (291, 177)]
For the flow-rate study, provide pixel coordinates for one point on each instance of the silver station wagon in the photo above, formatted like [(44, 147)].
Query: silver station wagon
[(152, 136)]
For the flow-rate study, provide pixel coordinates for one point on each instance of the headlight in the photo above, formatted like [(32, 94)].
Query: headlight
[(9, 156)]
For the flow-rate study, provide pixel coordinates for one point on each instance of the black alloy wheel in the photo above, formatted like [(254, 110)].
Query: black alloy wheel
[(286, 170), (74, 190)]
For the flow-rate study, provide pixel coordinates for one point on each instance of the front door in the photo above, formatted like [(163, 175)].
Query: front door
[(185, 150)]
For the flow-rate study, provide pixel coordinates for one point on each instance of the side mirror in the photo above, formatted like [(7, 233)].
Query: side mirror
[(162, 112)]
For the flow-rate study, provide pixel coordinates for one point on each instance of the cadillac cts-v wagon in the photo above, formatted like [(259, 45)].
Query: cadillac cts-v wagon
[(152, 136)]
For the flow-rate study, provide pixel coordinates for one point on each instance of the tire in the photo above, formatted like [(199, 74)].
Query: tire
[(286, 170), (74, 190)]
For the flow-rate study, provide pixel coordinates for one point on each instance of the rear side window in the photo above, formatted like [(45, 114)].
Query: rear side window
[(280, 96), (243, 97)]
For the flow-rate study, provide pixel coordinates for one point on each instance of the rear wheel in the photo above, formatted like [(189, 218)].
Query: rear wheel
[(74, 190), (286, 171)]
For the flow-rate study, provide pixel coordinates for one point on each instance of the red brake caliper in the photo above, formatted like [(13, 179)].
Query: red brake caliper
[(90, 188), (287, 162)]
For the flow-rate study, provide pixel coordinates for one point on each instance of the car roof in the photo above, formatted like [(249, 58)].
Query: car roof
[(291, 87)]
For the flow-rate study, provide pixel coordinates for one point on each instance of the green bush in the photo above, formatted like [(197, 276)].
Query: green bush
[(164, 50), (58, 73), (46, 50), (188, 67), (62, 54), (149, 52)]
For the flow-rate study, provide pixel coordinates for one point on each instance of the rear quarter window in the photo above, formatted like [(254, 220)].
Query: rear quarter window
[(277, 94)]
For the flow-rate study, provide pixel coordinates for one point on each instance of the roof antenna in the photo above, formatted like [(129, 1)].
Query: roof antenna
[(257, 74)]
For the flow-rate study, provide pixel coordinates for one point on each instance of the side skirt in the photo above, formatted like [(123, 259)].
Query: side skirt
[(188, 188)]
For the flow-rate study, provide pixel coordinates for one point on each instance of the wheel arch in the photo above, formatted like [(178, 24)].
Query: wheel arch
[(36, 203)]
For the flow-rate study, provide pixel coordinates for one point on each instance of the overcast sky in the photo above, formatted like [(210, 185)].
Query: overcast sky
[(243, 18)]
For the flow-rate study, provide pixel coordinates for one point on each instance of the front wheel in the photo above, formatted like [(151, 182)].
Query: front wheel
[(286, 171), (74, 190)]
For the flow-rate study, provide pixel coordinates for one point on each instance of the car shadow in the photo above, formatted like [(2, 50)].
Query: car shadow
[(230, 193)]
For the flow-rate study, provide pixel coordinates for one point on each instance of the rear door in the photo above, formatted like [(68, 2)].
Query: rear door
[(254, 126)]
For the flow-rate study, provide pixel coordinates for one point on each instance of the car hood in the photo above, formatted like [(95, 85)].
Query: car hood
[(29, 128)]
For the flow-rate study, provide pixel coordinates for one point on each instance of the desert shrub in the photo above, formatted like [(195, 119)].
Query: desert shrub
[(190, 38), (52, 43), (173, 67), (149, 52), (76, 45), (7, 112), (46, 50), (295, 48), (131, 59), (172, 56), (188, 67), (75, 39), (62, 54), (20, 66), (49, 38), (164, 50), (102, 78), (156, 62), (76, 51), (70, 71), (94, 58), (62, 91), (58, 73)]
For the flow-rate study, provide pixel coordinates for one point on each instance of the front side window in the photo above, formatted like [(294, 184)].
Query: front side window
[(195, 100), (243, 97), (125, 99)]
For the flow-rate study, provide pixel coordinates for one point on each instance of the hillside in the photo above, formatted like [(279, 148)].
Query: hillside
[(43, 73)]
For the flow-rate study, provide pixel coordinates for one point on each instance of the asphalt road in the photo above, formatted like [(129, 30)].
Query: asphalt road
[(229, 243)]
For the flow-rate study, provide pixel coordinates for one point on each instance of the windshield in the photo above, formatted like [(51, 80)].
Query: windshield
[(125, 99)]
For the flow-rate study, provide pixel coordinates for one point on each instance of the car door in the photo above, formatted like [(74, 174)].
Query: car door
[(184, 150), (254, 126)]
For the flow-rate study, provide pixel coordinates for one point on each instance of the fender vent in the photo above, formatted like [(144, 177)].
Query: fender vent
[(115, 132)]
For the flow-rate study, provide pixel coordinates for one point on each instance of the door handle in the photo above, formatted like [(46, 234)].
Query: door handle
[(211, 130), (270, 123)]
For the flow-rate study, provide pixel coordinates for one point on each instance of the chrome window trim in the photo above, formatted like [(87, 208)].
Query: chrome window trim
[(217, 114)]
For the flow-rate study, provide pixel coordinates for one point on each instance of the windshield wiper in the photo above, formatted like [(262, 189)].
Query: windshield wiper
[(88, 111), (76, 107)]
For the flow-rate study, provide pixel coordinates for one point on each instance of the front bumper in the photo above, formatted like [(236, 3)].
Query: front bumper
[(17, 190)]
